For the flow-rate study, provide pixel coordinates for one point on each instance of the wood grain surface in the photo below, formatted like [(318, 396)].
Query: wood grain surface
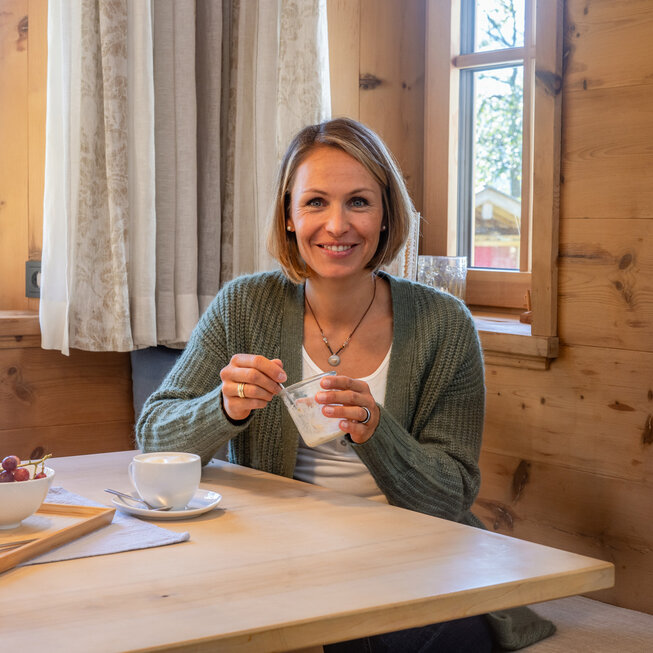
[(66, 523), (14, 136), (279, 565), (578, 437), (80, 403), (606, 283)]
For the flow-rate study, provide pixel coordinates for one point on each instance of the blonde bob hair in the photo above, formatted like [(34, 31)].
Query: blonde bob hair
[(367, 148)]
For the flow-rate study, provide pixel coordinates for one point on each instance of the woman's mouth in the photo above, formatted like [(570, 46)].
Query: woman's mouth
[(337, 248)]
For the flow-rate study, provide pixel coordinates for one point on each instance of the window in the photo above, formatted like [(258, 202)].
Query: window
[(491, 135), (492, 150)]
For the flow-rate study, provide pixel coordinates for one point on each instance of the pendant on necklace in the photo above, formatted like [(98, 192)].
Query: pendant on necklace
[(334, 360)]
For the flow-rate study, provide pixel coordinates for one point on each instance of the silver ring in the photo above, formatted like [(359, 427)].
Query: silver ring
[(241, 390), (367, 419)]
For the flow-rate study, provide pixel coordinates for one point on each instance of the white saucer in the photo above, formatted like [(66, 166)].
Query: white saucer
[(202, 501)]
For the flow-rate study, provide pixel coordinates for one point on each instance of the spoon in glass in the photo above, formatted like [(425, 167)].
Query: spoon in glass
[(132, 498)]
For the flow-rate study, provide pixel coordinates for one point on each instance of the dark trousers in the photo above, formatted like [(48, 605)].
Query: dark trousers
[(470, 635)]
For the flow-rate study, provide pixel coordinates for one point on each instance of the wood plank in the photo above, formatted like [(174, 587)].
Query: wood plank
[(590, 412), (607, 164), (609, 48), (37, 55), (489, 57), (44, 388), (19, 323), (395, 108), (507, 341), (546, 149), (344, 56), (439, 232), (68, 523), (606, 283), (500, 322), (13, 163), (19, 342), (69, 439), (517, 344), (507, 288), (586, 513)]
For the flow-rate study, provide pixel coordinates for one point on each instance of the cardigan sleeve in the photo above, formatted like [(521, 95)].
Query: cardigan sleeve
[(431, 465), (186, 412)]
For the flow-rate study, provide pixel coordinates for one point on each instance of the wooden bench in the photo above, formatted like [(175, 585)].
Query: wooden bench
[(588, 626)]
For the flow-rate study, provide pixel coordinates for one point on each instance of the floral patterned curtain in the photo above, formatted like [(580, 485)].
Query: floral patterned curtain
[(165, 123)]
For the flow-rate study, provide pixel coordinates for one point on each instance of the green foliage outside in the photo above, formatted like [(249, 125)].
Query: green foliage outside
[(499, 124)]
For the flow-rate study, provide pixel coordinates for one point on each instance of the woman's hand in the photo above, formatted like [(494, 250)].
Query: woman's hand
[(249, 382), (355, 397)]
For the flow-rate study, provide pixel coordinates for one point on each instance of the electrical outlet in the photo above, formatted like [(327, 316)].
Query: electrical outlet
[(32, 278)]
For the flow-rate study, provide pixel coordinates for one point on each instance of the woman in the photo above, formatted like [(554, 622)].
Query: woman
[(409, 389)]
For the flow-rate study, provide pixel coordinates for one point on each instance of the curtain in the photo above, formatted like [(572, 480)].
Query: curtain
[(175, 118), (99, 166), (278, 83), (166, 121)]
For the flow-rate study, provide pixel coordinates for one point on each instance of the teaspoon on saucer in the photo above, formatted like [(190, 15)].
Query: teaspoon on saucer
[(137, 500)]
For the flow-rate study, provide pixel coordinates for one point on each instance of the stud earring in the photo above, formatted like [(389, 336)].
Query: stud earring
[(288, 227), (383, 227)]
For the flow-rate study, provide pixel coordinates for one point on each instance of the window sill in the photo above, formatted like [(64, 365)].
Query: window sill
[(505, 340), (19, 329), (508, 342)]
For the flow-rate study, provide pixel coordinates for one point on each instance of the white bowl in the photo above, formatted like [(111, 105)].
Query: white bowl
[(20, 499)]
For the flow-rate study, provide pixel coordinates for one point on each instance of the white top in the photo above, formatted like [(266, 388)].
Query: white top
[(335, 464)]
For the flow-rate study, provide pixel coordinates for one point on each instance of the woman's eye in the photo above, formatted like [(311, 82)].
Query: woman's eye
[(358, 202), (315, 202)]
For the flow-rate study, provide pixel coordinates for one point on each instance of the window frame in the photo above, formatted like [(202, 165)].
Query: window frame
[(495, 296), (470, 61)]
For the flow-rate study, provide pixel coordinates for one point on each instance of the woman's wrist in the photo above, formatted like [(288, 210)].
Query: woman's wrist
[(231, 420)]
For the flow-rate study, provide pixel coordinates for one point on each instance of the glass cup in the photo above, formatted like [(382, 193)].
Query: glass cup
[(447, 273), (314, 427), (166, 478)]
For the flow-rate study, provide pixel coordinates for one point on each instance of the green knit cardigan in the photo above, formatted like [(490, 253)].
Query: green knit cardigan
[(424, 452)]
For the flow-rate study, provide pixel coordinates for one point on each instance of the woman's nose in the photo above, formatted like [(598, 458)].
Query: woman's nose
[(337, 220)]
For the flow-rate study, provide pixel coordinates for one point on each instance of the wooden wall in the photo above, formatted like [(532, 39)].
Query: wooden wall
[(22, 134), (377, 74), (68, 405), (568, 455), (567, 458)]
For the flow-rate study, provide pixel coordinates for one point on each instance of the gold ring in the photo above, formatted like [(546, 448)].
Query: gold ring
[(241, 390)]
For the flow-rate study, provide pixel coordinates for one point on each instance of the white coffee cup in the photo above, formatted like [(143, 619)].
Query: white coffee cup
[(166, 478)]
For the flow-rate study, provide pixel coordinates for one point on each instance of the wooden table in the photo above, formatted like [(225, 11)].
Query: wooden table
[(282, 565)]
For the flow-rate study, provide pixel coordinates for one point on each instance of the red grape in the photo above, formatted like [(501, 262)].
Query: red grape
[(12, 469), (10, 463), (21, 474)]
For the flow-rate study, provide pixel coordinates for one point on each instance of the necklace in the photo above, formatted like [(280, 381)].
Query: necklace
[(334, 359)]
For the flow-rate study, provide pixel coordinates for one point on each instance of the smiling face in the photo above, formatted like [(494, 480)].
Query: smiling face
[(336, 212)]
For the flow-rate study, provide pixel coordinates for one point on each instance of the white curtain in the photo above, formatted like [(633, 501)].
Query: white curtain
[(97, 290), (279, 74), (166, 121)]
